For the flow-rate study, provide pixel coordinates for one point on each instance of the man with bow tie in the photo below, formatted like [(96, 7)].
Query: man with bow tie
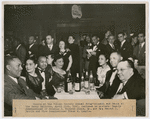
[(112, 81), (132, 86), (125, 49), (94, 53), (50, 48), (44, 74), (14, 86)]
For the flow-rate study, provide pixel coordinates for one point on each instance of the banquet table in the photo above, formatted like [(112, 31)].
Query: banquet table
[(77, 95)]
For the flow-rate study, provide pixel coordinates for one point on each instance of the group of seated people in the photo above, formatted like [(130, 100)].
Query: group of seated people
[(36, 71)]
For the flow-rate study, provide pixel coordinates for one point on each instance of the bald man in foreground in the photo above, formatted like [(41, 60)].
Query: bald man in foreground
[(132, 86)]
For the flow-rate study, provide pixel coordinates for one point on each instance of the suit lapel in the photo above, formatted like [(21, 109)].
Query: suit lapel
[(39, 74), (128, 84), (11, 81), (123, 46)]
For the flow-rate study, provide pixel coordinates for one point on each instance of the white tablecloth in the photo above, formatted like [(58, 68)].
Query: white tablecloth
[(77, 95)]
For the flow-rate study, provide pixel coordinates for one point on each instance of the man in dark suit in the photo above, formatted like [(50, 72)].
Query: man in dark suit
[(14, 86), (93, 55), (50, 48), (139, 52), (44, 72), (32, 47), (132, 86), (112, 81), (111, 47), (20, 50), (125, 49)]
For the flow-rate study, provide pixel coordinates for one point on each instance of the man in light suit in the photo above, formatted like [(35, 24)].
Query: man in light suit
[(132, 86), (139, 52), (125, 49), (14, 86)]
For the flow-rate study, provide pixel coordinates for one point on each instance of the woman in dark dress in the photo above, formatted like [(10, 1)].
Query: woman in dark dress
[(74, 48), (58, 74), (67, 57), (32, 79)]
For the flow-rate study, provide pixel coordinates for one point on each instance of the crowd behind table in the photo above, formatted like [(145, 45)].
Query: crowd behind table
[(35, 71)]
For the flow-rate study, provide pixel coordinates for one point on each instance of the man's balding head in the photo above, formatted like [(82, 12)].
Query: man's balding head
[(42, 63), (115, 58), (12, 66), (125, 70)]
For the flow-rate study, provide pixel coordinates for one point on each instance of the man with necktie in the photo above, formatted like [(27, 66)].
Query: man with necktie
[(132, 86), (125, 49), (139, 52), (111, 47), (93, 55), (32, 47), (14, 86), (50, 48)]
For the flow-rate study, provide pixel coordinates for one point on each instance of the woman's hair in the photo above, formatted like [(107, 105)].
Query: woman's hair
[(105, 55), (33, 58), (56, 57), (64, 42)]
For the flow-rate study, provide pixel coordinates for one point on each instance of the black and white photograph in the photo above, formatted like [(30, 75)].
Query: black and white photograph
[(55, 51)]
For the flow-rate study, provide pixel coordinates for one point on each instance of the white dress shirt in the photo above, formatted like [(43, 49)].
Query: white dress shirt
[(50, 46), (112, 77), (43, 76), (31, 45), (14, 79), (123, 42)]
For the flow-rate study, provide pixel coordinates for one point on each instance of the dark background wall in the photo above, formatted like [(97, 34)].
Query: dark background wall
[(56, 19)]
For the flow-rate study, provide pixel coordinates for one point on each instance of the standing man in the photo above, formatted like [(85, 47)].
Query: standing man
[(94, 53), (139, 51), (112, 81), (14, 86), (125, 49), (32, 47), (20, 50), (45, 75), (132, 86), (50, 48), (111, 47)]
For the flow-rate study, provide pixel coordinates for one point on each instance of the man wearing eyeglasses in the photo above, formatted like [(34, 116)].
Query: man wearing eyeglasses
[(132, 86)]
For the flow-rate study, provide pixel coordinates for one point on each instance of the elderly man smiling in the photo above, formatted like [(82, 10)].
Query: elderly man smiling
[(132, 86)]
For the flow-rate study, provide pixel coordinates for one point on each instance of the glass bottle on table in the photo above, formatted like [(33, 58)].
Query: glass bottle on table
[(91, 81), (82, 81), (68, 83), (77, 83), (86, 82)]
